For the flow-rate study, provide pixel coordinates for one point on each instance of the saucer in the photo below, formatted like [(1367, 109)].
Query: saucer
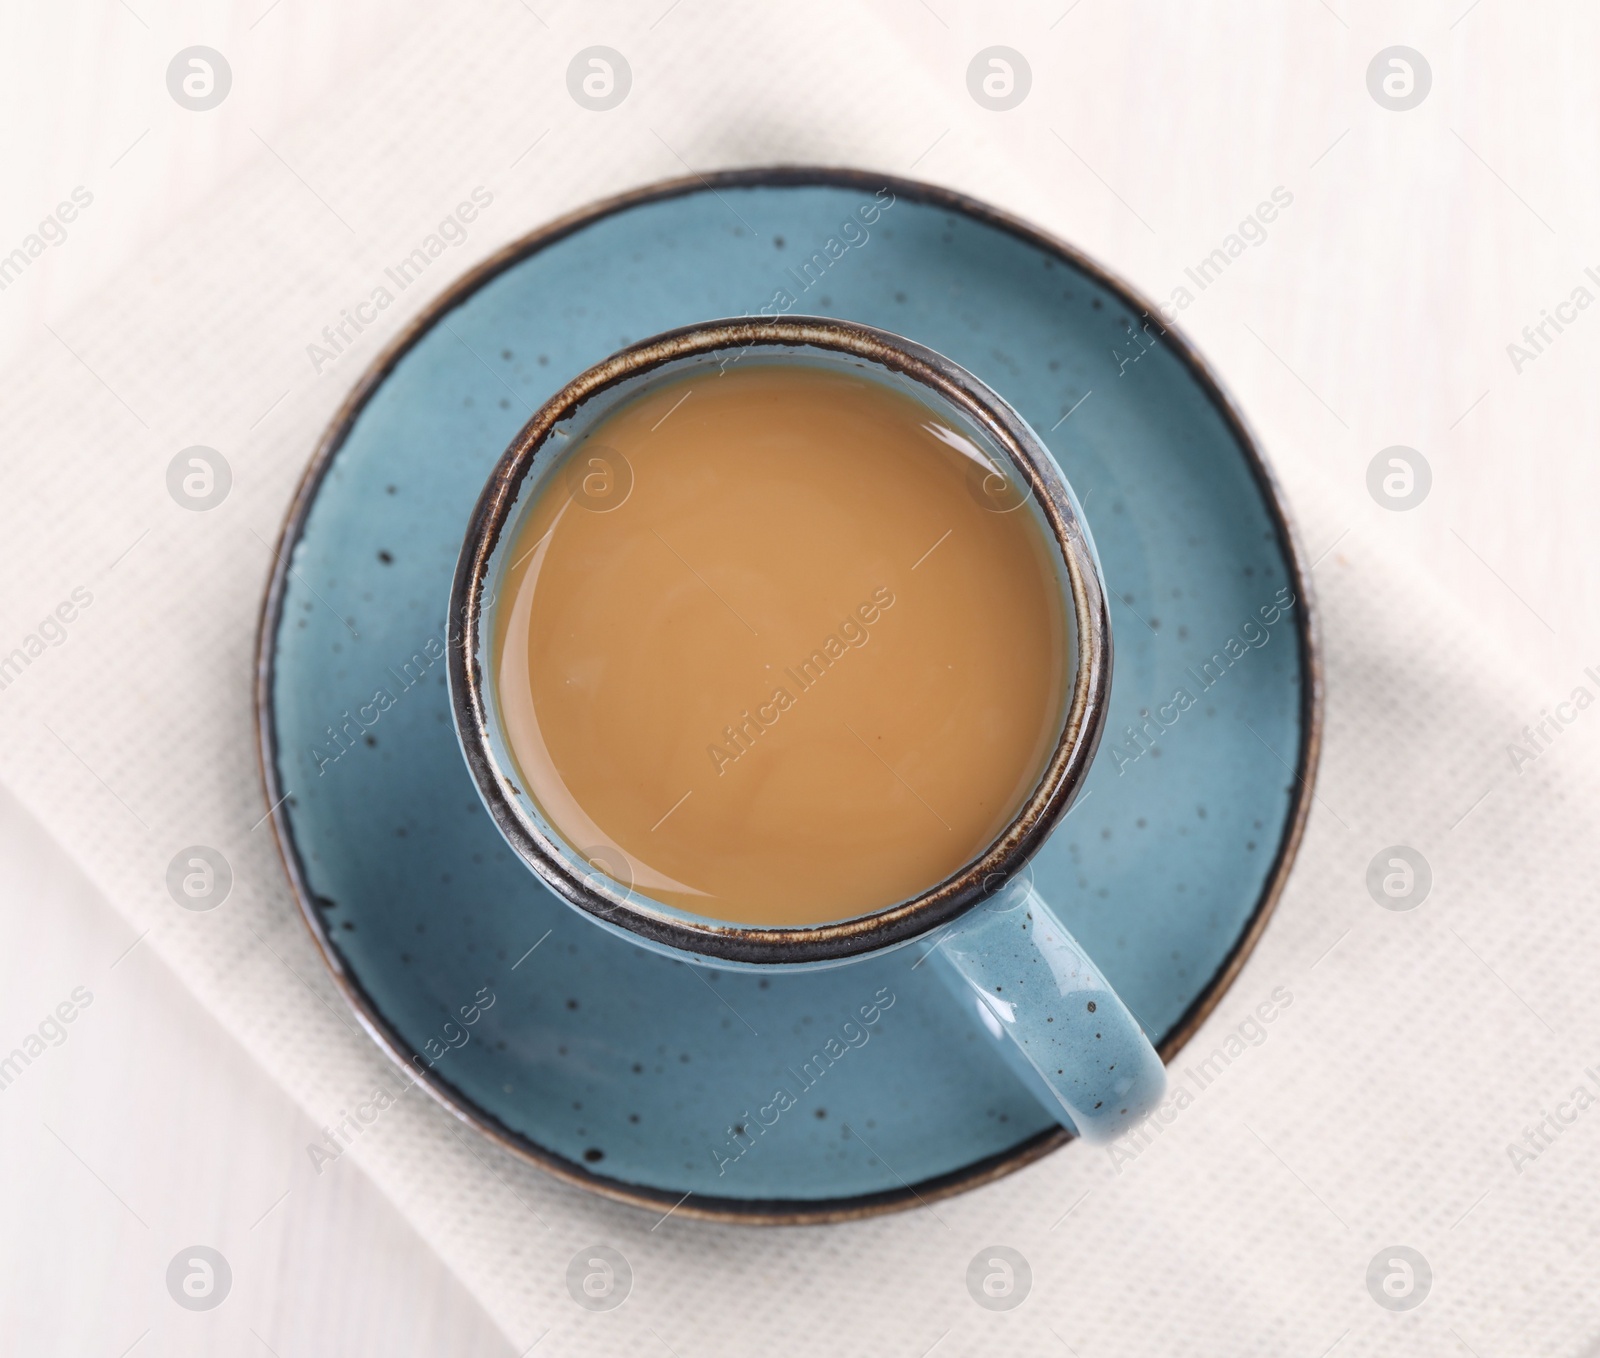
[(657, 1082)]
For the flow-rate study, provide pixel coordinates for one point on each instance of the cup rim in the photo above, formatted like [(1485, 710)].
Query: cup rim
[(893, 924)]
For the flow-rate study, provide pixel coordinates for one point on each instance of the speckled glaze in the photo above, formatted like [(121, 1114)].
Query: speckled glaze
[(1028, 981), (647, 1079)]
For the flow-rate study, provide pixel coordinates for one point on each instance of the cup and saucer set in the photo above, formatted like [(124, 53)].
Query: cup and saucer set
[(790, 1074)]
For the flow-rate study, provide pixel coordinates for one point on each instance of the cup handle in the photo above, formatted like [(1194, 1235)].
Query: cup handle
[(1036, 985)]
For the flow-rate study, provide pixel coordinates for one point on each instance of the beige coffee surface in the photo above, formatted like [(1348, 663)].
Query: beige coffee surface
[(766, 642)]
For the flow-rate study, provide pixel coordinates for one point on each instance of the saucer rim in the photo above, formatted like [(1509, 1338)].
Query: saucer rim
[(773, 1211)]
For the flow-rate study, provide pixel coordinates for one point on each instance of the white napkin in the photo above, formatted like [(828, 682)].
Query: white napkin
[(1417, 1047)]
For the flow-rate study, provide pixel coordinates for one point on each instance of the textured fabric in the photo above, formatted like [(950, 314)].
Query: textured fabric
[(1416, 1048)]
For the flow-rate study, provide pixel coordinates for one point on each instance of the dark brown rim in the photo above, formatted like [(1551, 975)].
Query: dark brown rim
[(532, 452), (778, 1211)]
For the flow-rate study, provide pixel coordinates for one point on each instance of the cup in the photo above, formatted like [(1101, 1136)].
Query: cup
[(989, 933)]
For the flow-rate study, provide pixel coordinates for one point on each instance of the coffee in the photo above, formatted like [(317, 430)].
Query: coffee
[(778, 646)]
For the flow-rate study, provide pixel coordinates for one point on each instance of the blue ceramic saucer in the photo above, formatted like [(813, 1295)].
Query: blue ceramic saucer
[(647, 1079)]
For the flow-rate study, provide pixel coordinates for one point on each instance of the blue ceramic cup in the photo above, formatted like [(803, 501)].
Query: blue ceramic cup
[(994, 939)]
